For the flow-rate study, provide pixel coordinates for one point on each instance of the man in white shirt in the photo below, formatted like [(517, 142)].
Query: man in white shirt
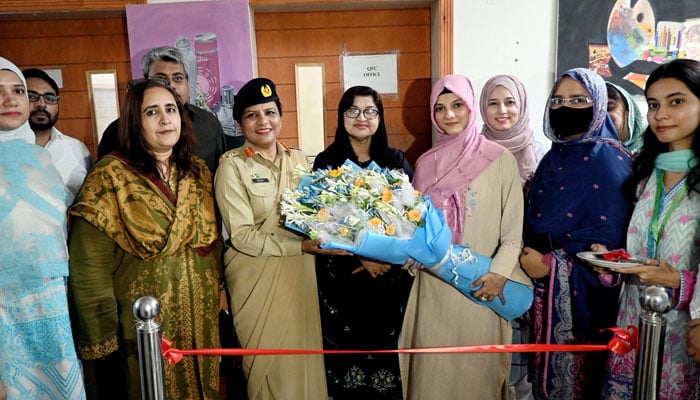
[(70, 156)]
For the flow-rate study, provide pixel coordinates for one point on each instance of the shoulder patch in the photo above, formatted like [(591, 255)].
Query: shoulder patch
[(288, 148), (237, 152)]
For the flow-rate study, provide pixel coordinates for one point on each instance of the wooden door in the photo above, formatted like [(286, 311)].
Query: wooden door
[(286, 39)]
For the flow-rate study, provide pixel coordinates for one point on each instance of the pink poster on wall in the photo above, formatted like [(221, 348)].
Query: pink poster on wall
[(214, 37)]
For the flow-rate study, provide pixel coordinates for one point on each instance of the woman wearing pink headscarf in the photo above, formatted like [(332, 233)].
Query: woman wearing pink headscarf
[(503, 107), (477, 185)]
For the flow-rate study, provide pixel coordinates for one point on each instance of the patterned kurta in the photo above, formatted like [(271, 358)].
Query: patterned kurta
[(132, 236), (37, 355), (437, 314), (678, 246)]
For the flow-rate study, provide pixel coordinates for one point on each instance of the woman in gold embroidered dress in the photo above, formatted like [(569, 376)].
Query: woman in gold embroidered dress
[(144, 223)]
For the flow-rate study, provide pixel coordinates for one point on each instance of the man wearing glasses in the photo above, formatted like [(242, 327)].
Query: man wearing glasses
[(70, 156), (167, 63)]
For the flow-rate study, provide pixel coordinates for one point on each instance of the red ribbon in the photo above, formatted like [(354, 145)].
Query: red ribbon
[(623, 341)]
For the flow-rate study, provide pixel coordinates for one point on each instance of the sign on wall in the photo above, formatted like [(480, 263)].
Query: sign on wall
[(378, 71)]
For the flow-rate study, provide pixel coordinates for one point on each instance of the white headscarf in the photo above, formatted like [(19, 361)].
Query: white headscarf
[(23, 132)]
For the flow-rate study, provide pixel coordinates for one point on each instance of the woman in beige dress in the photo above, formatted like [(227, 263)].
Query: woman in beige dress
[(477, 184), (270, 271)]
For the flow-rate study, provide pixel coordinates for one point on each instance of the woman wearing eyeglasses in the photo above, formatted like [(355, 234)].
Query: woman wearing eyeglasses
[(362, 301), (576, 200)]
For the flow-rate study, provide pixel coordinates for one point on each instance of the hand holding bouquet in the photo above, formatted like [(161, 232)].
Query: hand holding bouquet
[(376, 213)]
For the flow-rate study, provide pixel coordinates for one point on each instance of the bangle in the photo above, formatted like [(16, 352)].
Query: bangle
[(222, 284)]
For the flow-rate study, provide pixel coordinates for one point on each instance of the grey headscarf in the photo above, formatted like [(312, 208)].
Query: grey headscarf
[(23, 132)]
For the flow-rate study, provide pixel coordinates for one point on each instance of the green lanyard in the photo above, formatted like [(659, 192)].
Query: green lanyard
[(654, 228)]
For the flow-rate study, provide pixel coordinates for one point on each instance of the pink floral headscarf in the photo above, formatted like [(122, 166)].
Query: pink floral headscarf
[(444, 171)]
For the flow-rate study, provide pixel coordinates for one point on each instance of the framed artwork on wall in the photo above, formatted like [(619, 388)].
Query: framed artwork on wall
[(624, 40), (214, 36)]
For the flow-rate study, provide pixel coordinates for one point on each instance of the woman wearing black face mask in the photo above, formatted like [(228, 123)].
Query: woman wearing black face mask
[(576, 199)]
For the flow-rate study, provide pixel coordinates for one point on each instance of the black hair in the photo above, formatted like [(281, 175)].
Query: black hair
[(379, 151), (688, 72), (614, 94), (41, 74), (130, 136)]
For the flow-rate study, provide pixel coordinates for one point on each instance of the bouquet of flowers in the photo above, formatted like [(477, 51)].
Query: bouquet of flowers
[(376, 213), (342, 206)]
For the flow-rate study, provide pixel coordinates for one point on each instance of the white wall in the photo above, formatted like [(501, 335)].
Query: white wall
[(508, 37)]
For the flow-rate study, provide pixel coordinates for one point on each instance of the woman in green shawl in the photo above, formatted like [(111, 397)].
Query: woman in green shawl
[(144, 223)]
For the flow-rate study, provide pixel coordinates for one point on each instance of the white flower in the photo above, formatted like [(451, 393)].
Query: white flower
[(338, 205)]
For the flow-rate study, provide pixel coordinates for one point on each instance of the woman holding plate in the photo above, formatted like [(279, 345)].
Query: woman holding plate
[(665, 227)]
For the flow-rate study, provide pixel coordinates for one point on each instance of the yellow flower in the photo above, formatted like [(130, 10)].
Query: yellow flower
[(334, 173), (358, 182), (344, 231), (390, 230), (387, 196), (324, 214), (414, 215), (375, 222)]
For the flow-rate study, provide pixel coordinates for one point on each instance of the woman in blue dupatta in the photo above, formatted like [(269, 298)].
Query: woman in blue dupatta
[(576, 200), (37, 355)]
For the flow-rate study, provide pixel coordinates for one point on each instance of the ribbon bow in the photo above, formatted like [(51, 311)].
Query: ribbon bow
[(624, 340), (172, 355)]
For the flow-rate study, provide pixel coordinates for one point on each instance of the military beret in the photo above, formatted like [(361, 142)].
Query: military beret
[(255, 91)]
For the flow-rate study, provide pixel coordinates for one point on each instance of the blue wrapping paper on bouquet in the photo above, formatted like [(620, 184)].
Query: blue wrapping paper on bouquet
[(457, 265), (350, 198), (431, 245)]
